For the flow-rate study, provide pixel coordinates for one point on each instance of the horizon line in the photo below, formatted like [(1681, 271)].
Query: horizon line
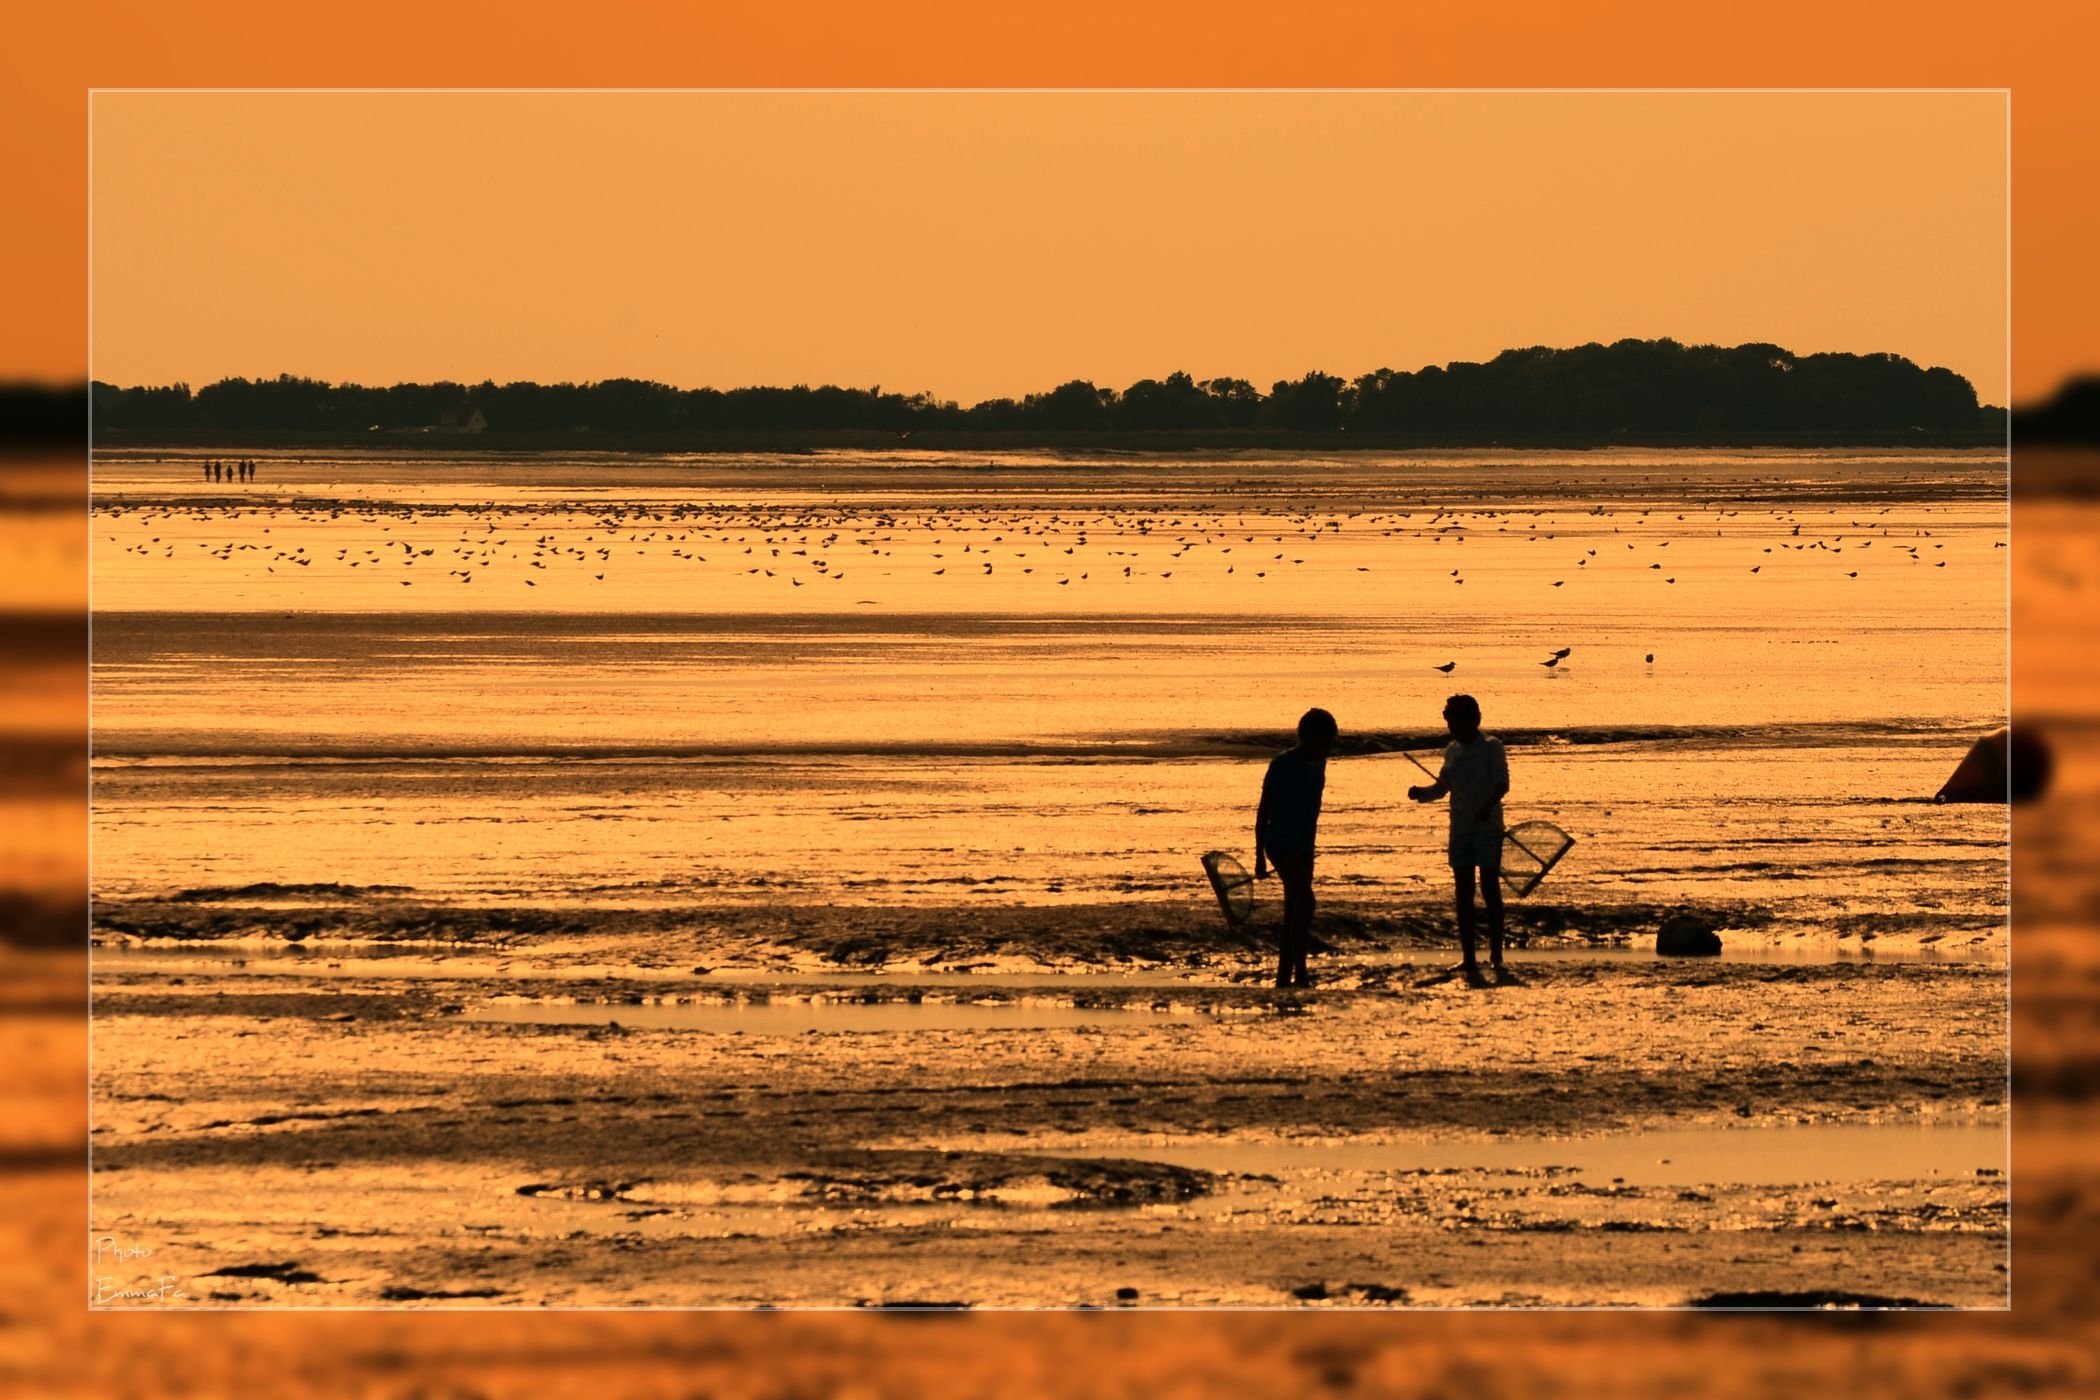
[(1347, 379)]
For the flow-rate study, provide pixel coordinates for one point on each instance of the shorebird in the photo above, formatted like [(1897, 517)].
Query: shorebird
[(1562, 654), (1447, 668)]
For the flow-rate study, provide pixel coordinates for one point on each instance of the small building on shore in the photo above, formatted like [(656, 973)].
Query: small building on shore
[(464, 419)]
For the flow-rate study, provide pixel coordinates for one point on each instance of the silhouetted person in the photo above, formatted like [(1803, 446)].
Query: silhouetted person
[(1284, 827), (1476, 778), (207, 471)]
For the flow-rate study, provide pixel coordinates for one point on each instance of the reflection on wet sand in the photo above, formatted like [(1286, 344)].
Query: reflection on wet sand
[(701, 849), (2036, 1349)]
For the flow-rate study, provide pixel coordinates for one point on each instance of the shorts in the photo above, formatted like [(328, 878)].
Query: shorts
[(1480, 846), (1296, 861)]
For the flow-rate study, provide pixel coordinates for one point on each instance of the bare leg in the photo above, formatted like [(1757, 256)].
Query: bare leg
[(1491, 895), (1295, 872), (1463, 874), (1302, 945)]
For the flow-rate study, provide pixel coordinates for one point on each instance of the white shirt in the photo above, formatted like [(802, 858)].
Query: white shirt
[(1474, 774)]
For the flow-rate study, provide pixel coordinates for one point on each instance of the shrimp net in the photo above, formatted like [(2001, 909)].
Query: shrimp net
[(1529, 850)]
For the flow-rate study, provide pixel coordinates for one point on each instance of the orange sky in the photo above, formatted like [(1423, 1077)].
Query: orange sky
[(978, 244)]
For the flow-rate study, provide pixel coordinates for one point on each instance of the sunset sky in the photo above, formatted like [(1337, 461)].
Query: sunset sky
[(978, 244)]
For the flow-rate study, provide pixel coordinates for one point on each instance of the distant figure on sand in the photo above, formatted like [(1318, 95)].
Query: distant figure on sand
[(1476, 778), (1284, 828), (207, 471)]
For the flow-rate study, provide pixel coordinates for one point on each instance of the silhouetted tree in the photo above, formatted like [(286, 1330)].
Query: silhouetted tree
[(1629, 386), (1311, 403)]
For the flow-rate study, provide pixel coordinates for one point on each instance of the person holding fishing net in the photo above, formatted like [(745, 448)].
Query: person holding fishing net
[(1285, 824), (1475, 777)]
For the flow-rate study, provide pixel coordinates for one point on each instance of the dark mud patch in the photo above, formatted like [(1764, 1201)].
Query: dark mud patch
[(1819, 1298), (277, 1273), (1106, 936), (296, 918), (1375, 1293), (970, 1178), (270, 889), (608, 1191)]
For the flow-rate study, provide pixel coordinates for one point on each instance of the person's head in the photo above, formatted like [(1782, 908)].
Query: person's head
[(1316, 731), (1462, 714)]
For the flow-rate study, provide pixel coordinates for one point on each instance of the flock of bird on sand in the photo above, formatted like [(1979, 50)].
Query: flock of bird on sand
[(804, 545)]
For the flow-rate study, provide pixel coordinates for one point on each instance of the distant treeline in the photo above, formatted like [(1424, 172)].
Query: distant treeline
[(1630, 387), (2071, 415)]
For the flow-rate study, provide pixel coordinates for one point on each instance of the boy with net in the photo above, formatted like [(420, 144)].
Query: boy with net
[(1284, 827), (1475, 777)]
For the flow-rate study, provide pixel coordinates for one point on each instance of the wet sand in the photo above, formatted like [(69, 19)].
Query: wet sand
[(421, 1138), (733, 951)]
